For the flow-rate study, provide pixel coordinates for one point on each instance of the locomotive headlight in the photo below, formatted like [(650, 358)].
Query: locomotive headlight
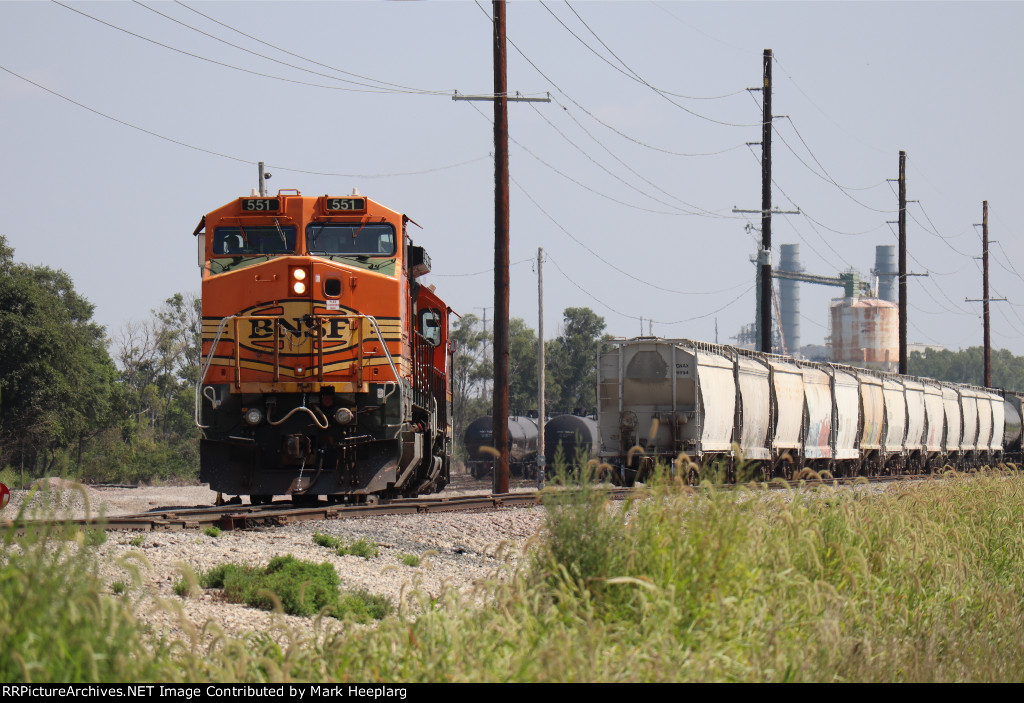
[(253, 416), (298, 282)]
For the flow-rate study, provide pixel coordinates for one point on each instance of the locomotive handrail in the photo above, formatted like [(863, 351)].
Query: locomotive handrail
[(220, 333), (205, 369)]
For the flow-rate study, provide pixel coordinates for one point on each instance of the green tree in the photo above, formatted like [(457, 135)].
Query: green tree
[(159, 360), (968, 366), (470, 371), (56, 378), (522, 367), (572, 360)]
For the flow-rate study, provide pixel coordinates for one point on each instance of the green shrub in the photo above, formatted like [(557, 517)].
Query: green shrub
[(363, 607), (409, 559), (328, 541), (137, 541), (212, 531), (360, 548)]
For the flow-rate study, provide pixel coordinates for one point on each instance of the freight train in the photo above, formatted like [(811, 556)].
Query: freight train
[(325, 359), (704, 408), (565, 436), (522, 446)]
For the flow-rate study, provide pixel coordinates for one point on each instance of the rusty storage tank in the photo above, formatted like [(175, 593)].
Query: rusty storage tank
[(865, 333), (572, 434), (522, 446)]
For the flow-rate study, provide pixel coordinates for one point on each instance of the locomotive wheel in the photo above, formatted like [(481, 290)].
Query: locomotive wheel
[(305, 501), (261, 499)]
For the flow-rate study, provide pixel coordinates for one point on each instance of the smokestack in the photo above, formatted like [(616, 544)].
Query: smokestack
[(789, 297), (887, 272)]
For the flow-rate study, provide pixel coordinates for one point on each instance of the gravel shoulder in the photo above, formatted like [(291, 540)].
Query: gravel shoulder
[(456, 550)]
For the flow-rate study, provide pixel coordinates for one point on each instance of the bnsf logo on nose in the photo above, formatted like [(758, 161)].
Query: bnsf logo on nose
[(332, 328)]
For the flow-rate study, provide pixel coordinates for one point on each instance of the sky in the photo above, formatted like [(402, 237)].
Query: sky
[(628, 178)]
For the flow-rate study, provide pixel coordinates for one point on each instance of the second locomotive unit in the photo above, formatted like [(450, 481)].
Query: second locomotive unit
[(325, 359)]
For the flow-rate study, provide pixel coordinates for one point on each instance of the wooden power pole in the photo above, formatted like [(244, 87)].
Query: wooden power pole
[(501, 227), (903, 261), (765, 259), (984, 285), (541, 460), (500, 99), (985, 299)]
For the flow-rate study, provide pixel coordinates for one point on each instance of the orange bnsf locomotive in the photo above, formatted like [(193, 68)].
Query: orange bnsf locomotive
[(325, 360)]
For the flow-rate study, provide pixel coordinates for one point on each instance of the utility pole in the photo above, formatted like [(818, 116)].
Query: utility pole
[(501, 246), (903, 274), (984, 287), (903, 261), (764, 256), (985, 299), (541, 461), (766, 206), (500, 99)]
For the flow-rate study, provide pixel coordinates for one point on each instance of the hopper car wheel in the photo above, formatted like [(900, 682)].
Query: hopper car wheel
[(693, 477)]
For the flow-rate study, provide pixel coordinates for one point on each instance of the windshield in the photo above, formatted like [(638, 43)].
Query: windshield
[(253, 240), (351, 238)]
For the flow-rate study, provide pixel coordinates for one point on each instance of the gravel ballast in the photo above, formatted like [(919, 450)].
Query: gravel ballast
[(456, 550)]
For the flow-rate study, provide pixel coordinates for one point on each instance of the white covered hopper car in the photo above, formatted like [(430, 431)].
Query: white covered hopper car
[(695, 406)]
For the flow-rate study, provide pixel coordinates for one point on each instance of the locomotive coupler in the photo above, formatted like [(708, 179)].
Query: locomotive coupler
[(297, 446)]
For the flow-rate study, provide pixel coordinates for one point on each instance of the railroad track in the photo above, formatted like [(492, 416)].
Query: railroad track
[(240, 517), (235, 517)]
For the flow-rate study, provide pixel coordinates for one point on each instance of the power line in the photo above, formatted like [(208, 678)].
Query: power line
[(298, 56), (703, 33), (633, 75), (609, 263), (826, 177), (370, 89), (617, 176), (278, 61), (818, 107), (649, 182), (548, 257), (229, 156), (592, 115), (478, 273), (678, 212)]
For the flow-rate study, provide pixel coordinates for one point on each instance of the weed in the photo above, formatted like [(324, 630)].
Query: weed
[(298, 587), (328, 541), (137, 541), (118, 587), (57, 621), (212, 531), (360, 548), (94, 537)]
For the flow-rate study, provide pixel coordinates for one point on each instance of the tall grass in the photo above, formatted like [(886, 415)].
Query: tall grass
[(920, 583), (57, 620)]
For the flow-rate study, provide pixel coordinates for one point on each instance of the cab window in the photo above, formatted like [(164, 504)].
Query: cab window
[(351, 238), (430, 326), (252, 240)]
